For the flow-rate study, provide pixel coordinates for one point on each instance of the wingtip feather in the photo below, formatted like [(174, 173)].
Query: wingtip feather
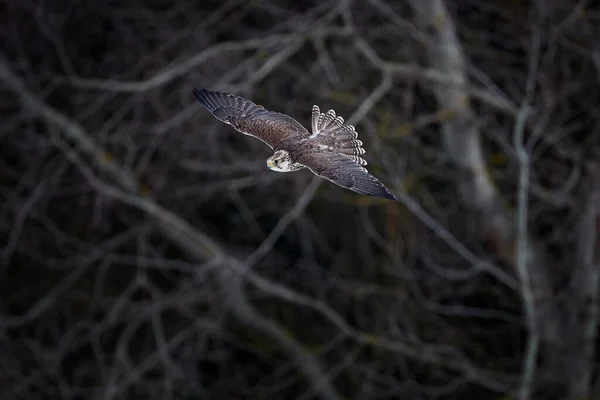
[(379, 191), (202, 95), (199, 93), (390, 196)]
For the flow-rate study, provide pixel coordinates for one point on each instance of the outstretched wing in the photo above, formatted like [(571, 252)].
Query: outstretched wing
[(343, 171), (249, 118), (329, 130)]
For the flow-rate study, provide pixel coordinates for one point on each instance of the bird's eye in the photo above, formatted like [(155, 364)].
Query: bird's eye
[(276, 161)]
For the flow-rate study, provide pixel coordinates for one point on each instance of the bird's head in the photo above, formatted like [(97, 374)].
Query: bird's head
[(280, 161)]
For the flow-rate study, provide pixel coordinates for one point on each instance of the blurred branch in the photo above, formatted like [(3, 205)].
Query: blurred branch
[(267, 245), (522, 252), (478, 264), (367, 104), (587, 290), (201, 247), (478, 191), (292, 42), (130, 271), (440, 76), (463, 144), (587, 282), (522, 247), (44, 303), (115, 389), (178, 68), (461, 135), (196, 243), (21, 215)]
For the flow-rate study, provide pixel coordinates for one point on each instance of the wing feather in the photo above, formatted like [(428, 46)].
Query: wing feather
[(250, 118), (345, 172)]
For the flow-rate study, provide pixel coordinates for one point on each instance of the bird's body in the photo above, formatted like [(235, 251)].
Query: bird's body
[(331, 151)]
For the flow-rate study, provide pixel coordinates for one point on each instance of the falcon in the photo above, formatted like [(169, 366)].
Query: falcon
[(332, 151)]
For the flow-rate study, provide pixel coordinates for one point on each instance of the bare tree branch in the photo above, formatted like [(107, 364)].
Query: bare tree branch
[(196, 243), (438, 76), (462, 142), (522, 248), (587, 290), (202, 247)]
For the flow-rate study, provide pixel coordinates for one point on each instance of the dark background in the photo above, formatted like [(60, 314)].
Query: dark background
[(147, 252)]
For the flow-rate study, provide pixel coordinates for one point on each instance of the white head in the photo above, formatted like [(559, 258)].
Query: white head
[(280, 161)]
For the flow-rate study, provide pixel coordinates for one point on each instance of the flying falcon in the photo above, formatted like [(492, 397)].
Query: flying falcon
[(332, 151)]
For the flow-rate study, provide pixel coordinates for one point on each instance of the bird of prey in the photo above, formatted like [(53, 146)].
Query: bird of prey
[(332, 151)]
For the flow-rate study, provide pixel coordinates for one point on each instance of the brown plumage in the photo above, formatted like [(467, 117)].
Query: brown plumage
[(332, 151)]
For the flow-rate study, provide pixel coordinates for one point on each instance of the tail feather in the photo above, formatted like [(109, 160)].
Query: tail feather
[(353, 149), (329, 121), (357, 159), (345, 132), (351, 144), (343, 136)]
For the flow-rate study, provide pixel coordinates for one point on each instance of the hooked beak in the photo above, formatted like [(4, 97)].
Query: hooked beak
[(269, 164)]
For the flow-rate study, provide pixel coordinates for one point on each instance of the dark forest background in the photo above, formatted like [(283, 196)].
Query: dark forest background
[(147, 253)]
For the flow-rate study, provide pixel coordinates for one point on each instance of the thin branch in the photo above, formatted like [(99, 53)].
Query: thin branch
[(267, 245), (196, 243), (587, 291), (377, 94), (463, 144), (522, 251), (201, 247), (478, 264), (432, 76), (179, 68), (522, 245), (292, 42)]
